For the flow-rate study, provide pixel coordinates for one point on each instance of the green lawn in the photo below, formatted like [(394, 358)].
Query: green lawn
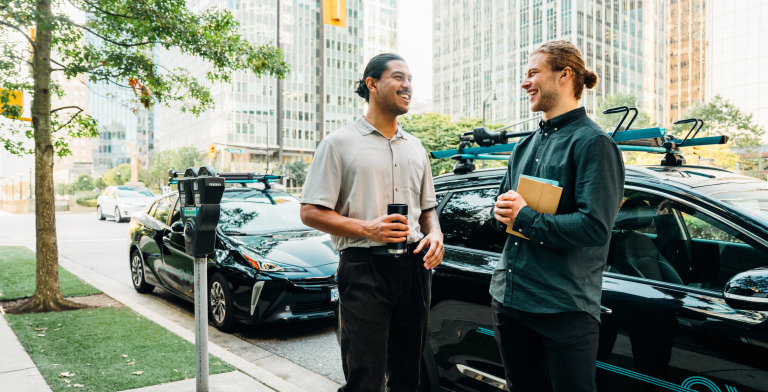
[(104, 347), (17, 276)]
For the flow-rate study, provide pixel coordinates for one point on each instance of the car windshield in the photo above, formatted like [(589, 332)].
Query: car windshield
[(134, 191), (255, 211), (753, 201)]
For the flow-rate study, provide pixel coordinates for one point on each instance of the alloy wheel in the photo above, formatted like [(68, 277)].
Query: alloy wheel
[(137, 272), (218, 303)]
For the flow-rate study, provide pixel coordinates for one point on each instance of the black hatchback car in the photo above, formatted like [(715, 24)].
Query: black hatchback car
[(268, 266), (683, 288)]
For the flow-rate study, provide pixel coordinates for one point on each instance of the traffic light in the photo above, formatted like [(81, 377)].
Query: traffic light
[(212, 150), (335, 13), (696, 150)]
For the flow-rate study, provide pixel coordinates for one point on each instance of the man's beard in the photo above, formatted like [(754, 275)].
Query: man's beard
[(547, 100), (393, 108)]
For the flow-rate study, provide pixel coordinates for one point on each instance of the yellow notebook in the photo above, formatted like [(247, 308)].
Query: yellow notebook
[(542, 197)]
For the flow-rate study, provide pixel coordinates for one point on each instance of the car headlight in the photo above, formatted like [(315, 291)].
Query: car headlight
[(266, 265)]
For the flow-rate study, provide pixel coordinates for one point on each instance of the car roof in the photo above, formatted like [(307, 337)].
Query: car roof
[(703, 179)]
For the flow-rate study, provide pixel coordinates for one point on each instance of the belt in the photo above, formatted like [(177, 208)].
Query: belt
[(381, 250)]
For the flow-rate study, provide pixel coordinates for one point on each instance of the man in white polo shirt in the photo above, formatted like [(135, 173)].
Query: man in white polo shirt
[(356, 172)]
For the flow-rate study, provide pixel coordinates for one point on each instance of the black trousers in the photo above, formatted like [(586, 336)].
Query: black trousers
[(384, 303), (543, 350)]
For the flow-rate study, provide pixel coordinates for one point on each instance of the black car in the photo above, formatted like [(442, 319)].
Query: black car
[(683, 290), (268, 266)]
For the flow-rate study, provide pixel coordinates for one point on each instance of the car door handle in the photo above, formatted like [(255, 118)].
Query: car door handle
[(605, 310)]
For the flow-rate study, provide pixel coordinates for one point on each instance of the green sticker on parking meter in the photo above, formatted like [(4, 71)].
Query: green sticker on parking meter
[(190, 211)]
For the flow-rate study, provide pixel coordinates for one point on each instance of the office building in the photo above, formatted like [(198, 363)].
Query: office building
[(481, 47), (737, 55), (380, 28), (242, 126), (686, 57)]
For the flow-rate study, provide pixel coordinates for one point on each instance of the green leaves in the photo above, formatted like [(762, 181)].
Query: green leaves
[(721, 117), (606, 121)]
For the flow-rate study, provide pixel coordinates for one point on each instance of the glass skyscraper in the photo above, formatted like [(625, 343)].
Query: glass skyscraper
[(481, 47)]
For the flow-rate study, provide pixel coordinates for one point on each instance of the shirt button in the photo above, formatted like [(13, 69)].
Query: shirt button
[(395, 164), (520, 230), (545, 134), (509, 270), (542, 243), (555, 129), (515, 243), (397, 190)]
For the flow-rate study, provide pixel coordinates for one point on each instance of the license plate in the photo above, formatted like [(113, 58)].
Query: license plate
[(334, 294)]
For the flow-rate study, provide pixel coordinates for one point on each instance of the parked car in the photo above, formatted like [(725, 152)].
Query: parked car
[(684, 291), (268, 266), (121, 201)]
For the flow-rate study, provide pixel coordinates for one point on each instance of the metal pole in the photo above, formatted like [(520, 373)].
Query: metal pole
[(320, 108), (201, 324), (486, 100), (279, 111)]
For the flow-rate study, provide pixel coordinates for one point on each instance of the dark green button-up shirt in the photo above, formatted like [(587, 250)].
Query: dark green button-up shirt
[(560, 268)]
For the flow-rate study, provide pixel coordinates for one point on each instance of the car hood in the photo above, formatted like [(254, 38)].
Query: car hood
[(306, 248)]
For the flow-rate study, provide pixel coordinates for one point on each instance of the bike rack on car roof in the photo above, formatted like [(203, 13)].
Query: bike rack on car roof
[(493, 144), (233, 178)]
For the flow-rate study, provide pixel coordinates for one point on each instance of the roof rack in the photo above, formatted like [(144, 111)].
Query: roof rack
[(229, 178), (493, 144)]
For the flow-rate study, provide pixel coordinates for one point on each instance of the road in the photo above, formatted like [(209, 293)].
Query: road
[(102, 247)]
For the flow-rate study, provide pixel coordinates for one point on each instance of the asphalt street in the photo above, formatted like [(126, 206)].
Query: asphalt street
[(102, 247)]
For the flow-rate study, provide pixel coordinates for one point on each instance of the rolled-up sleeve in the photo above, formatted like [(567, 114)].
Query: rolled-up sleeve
[(428, 198), (323, 184), (599, 188)]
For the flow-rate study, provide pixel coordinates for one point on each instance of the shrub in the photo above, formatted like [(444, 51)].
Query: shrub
[(86, 198)]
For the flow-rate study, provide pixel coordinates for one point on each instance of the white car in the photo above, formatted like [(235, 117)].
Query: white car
[(121, 201)]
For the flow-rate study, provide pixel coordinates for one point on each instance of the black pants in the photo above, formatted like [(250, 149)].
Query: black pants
[(384, 303), (536, 347)]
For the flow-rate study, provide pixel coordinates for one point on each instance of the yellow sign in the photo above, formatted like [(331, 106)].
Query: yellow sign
[(16, 98), (335, 13)]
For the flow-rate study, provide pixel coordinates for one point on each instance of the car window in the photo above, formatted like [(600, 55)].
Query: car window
[(151, 209), (161, 209), (176, 215), (134, 191), (109, 192), (661, 239), (250, 210), (466, 221)]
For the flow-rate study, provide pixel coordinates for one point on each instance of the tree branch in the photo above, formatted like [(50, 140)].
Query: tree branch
[(70, 120), (20, 58), (31, 41), (66, 107), (100, 10), (123, 44)]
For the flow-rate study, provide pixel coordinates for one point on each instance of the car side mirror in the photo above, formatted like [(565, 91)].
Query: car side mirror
[(177, 227), (748, 290)]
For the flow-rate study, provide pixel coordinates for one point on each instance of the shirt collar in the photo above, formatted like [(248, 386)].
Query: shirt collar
[(365, 128), (561, 121)]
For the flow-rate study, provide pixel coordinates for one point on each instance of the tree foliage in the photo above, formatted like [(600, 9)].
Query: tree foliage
[(606, 121), (110, 176), (437, 132), (179, 160), (296, 171)]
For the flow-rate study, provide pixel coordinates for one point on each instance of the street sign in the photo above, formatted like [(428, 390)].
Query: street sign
[(236, 150)]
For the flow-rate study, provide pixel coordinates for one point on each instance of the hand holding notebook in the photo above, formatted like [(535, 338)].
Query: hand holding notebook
[(540, 194)]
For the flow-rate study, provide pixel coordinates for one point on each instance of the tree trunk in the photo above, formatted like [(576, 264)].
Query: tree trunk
[(47, 295)]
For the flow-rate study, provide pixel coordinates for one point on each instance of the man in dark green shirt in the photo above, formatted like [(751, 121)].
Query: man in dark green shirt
[(546, 289)]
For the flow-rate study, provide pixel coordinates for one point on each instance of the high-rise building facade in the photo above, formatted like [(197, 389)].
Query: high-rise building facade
[(243, 123), (737, 55), (380, 28), (686, 56), (481, 48)]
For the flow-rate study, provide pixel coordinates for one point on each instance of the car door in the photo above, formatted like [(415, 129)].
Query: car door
[(178, 264), (669, 327), (108, 202), (460, 332), (148, 239)]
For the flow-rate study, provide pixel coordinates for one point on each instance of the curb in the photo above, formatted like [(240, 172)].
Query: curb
[(16, 366)]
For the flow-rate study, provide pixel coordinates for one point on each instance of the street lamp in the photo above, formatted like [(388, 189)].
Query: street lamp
[(484, 103), (118, 177)]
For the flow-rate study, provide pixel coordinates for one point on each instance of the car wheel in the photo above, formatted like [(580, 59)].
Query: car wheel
[(99, 214), (118, 218), (137, 274), (220, 306)]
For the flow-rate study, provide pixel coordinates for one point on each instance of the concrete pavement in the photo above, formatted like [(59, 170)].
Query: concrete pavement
[(16, 367)]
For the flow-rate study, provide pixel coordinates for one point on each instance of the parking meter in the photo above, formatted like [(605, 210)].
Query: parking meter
[(200, 193)]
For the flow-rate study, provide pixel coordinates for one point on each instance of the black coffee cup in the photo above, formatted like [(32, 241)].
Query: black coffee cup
[(397, 248)]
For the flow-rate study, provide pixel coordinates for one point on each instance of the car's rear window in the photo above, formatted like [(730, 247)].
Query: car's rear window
[(134, 191), (259, 211)]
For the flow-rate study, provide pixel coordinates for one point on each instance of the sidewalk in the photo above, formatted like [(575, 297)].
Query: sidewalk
[(259, 369), (16, 367)]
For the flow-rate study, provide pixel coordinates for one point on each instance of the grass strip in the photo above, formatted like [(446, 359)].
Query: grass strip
[(17, 276), (103, 348)]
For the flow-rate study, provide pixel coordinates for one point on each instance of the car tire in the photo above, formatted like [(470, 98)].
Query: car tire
[(220, 306), (99, 214), (118, 217), (137, 274)]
